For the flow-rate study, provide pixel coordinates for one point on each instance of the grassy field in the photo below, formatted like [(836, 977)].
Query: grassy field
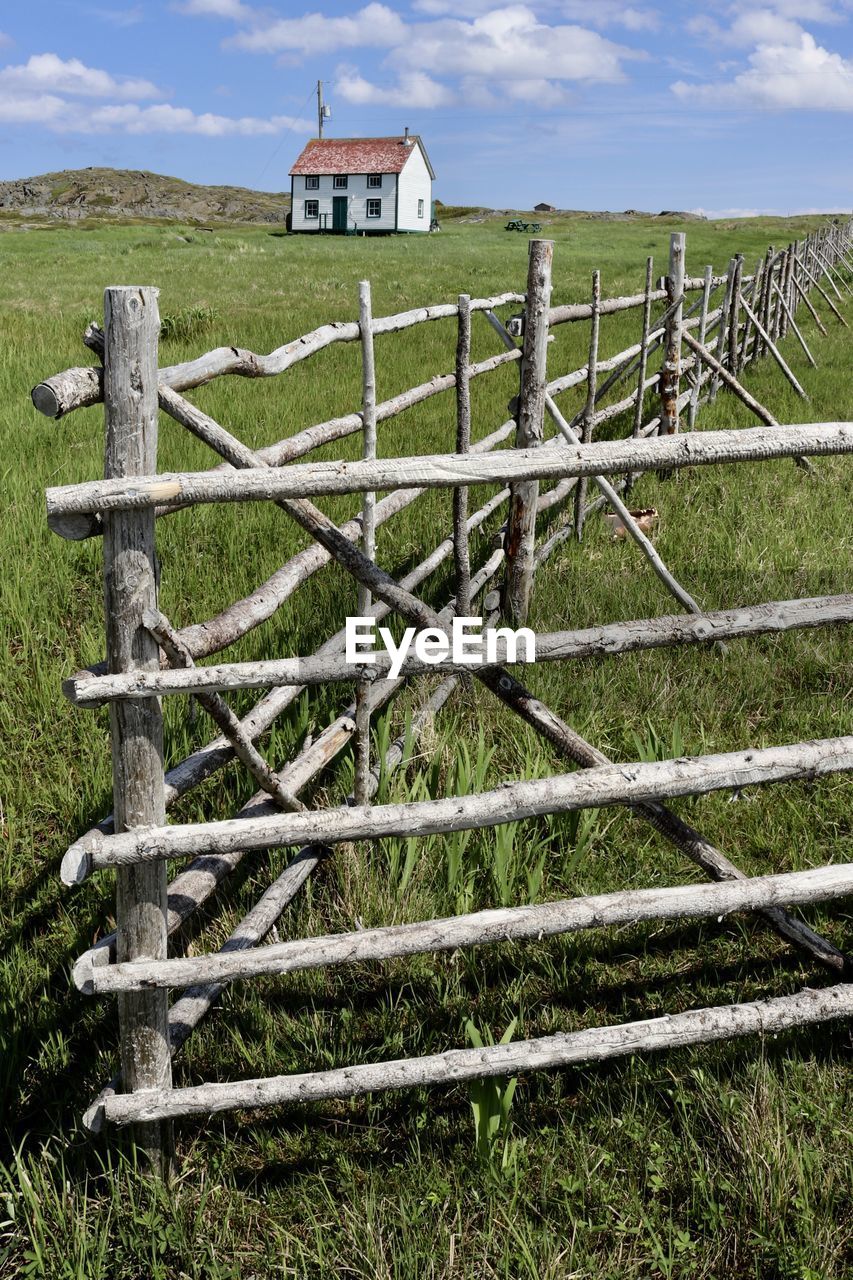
[(731, 1161)]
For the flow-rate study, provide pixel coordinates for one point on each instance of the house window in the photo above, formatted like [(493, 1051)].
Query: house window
[(340, 182), (420, 208), (374, 208), (374, 180), (312, 208), (312, 183)]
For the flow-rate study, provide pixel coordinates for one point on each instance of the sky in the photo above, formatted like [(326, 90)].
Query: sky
[(724, 108)]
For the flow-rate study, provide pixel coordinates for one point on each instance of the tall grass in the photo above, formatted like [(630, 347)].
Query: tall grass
[(724, 1161)]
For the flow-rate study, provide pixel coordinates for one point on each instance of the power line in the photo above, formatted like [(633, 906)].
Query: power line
[(278, 146)]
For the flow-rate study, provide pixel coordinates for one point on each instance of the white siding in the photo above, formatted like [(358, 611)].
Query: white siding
[(357, 194), (415, 185)]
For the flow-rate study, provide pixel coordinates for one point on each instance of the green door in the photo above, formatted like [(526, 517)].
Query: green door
[(339, 213)]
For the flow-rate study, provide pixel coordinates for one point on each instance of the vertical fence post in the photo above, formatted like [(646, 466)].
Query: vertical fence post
[(697, 364), (589, 408), (734, 319), (775, 283), (758, 304), (785, 300), (722, 327), (644, 348), (671, 369), (640, 402), (132, 326), (521, 524), (766, 297), (364, 692), (746, 355), (796, 279), (461, 551)]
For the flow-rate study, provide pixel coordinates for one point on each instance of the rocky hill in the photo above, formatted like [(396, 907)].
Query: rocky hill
[(134, 194), (75, 194)]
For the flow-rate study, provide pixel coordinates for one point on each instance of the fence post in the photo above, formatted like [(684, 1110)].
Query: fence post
[(364, 691), (132, 326), (723, 328), (786, 286), (521, 523), (671, 369), (697, 364), (589, 408), (746, 355), (766, 298), (644, 349), (461, 551), (734, 319)]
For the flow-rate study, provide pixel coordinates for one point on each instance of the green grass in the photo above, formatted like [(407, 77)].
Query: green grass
[(725, 1161)]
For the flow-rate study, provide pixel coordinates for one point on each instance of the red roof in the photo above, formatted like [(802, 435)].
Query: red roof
[(357, 155)]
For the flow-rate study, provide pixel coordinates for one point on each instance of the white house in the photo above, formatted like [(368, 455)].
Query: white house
[(355, 185)]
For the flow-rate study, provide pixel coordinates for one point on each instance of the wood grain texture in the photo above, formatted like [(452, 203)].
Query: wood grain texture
[(461, 548), (671, 367), (697, 1026), (563, 793), (79, 388), (222, 715), (519, 542), (444, 471), (771, 617), (542, 920), (136, 729), (368, 532), (588, 415)]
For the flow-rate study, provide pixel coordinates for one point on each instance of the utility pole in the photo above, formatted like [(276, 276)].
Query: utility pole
[(320, 111)]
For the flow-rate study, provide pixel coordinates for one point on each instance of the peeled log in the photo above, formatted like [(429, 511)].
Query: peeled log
[(68, 504), (563, 793), (627, 907), (697, 1026)]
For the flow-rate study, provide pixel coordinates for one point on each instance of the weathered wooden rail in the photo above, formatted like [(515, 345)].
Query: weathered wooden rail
[(147, 658)]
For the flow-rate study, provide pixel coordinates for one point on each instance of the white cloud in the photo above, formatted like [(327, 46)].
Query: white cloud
[(217, 9), (168, 119), (801, 10), (44, 109), (4, 39), (61, 116), (757, 26), (766, 21), (763, 26), (63, 96), (492, 53), (375, 25), (462, 9), (541, 92), (511, 45), (592, 13), (780, 77), (611, 13), (414, 90), (48, 73)]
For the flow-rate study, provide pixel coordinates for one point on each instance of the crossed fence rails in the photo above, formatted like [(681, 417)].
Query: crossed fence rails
[(148, 658)]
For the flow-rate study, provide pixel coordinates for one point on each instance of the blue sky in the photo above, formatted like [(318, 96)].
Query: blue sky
[(724, 107)]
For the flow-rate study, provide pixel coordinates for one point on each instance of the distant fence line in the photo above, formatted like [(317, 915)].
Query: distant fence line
[(148, 658)]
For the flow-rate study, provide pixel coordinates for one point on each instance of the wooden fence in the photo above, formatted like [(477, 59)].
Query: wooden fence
[(705, 345)]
